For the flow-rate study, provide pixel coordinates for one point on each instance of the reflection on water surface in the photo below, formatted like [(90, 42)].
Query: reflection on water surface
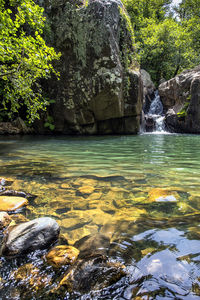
[(142, 192)]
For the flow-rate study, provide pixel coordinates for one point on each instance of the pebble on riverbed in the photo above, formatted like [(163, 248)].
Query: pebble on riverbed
[(62, 255), (12, 203)]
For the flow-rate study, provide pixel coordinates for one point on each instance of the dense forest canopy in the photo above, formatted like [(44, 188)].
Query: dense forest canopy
[(167, 39), (167, 36)]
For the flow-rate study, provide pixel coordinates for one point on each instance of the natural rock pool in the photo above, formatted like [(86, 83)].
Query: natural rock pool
[(141, 192)]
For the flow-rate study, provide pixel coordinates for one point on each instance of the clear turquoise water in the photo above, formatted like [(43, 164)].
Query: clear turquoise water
[(159, 242)]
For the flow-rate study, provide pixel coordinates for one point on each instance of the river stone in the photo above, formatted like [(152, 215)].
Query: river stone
[(85, 190), (12, 203), (162, 195), (75, 235), (92, 245), (92, 274), (62, 255), (5, 219), (29, 236)]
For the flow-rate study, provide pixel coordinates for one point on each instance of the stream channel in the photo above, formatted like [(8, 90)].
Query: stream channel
[(142, 192)]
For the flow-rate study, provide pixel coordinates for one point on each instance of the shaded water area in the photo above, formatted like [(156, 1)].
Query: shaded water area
[(142, 192)]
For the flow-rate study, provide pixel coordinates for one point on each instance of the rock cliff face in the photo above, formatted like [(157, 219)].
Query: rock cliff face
[(100, 89), (181, 100), (149, 89)]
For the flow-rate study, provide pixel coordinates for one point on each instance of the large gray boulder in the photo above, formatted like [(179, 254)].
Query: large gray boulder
[(181, 99), (29, 236), (100, 88)]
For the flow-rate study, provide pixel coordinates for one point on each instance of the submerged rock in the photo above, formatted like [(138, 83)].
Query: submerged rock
[(17, 194), (5, 182), (62, 255), (29, 236), (30, 277), (162, 195), (92, 274), (91, 245), (12, 203)]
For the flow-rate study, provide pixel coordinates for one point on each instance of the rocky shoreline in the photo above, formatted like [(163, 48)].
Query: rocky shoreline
[(44, 260), (81, 268)]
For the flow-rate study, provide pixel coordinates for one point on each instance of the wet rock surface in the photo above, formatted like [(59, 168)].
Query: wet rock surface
[(11, 203), (94, 273), (155, 238), (29, 236), (149, 89), (62, 255), (29, 276)]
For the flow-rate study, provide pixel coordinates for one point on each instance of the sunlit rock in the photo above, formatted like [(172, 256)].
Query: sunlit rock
[(19, 218), (5, 219), (162, 195), (129, 214), (74, 235), (86, 190), (73, 223), (60, 204), (80, 203), (11, 203), (100, 88), (147, 251), (29, 236), (65, 186), (62, 255), (181, 97)]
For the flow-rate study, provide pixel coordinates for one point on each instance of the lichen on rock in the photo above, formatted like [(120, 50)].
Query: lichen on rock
[(100, 89), (181, 98)]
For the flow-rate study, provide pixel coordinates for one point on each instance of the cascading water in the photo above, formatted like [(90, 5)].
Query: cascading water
[(156, 107), (154, 119)]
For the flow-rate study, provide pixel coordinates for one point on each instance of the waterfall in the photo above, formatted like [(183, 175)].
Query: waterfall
[(154, 118), (156, 107)]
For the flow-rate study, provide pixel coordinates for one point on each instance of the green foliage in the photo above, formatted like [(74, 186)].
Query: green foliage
[(166, 48), (183, 112), (49, 123), (24, 57), (168, 39)]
